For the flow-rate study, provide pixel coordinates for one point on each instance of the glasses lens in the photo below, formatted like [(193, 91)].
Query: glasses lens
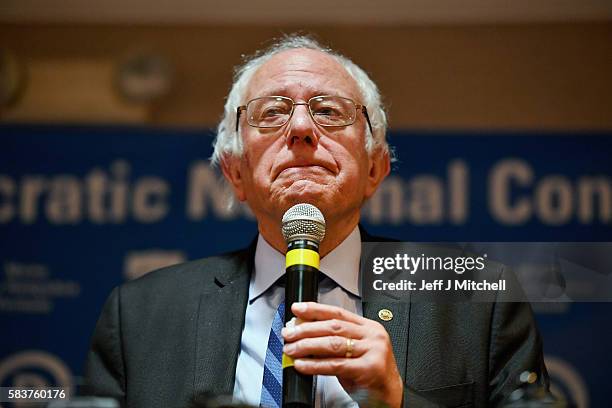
[(333, 110), (272, 111)]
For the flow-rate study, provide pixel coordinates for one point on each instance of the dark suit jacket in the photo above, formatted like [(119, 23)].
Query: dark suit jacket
[(176, 332)]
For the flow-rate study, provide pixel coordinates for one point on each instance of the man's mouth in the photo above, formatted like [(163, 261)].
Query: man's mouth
[(303, 169)]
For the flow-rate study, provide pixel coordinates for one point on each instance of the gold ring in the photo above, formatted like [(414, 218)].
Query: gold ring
[(349, 347)]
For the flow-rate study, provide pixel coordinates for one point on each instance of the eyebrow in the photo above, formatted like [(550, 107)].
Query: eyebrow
[(283, 91)]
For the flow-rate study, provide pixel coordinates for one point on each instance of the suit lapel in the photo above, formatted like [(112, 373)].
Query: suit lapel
[(398, 326), (220, 323)]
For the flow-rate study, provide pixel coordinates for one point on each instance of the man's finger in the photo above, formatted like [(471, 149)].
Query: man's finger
[(320, 311), (331, 346), (333, 327), (338, 366)]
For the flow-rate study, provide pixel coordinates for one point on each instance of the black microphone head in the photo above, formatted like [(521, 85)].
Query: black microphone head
[(303, 221)]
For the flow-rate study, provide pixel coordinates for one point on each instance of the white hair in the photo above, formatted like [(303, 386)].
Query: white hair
[(228, 141)]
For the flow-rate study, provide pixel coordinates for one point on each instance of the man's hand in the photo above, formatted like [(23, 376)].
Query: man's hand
[(333, 341)]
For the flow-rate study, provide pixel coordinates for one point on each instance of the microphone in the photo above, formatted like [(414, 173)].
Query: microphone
[(303, 230)]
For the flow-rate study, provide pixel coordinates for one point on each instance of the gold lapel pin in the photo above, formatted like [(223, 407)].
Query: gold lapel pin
[(385, 315)]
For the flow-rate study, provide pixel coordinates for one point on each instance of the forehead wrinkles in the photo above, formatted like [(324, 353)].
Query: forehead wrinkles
[(305, 72)]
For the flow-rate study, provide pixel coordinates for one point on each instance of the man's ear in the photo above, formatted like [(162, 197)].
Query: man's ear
[(380, 166), (230, 166)]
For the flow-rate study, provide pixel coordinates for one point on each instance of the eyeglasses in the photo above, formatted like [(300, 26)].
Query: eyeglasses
[(325, 110)]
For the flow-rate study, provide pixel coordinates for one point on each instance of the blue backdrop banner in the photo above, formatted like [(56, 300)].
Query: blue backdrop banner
[(83, 209)]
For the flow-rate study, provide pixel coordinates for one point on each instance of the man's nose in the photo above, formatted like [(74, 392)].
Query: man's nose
[(302, 127)]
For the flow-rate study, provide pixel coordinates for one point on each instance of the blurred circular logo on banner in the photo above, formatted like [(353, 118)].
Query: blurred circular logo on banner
[(565, 381), (35, 368)]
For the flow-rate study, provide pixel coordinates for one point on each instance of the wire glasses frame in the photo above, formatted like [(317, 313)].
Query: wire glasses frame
[(289, 115)]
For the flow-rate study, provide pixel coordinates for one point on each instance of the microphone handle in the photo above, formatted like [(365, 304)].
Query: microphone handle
[(302, 285)]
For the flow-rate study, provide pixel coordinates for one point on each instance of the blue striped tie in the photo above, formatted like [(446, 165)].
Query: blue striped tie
[(272, 387)]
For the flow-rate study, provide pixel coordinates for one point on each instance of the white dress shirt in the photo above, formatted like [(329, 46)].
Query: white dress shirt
[(340, 287)]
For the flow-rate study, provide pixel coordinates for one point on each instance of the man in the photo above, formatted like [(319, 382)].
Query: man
[(302, 124)]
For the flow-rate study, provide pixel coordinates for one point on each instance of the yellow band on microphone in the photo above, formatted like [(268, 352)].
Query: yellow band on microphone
[(302, 257), (287, 361)]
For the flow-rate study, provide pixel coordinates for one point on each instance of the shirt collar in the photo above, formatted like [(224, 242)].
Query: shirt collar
[(341, 265)]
